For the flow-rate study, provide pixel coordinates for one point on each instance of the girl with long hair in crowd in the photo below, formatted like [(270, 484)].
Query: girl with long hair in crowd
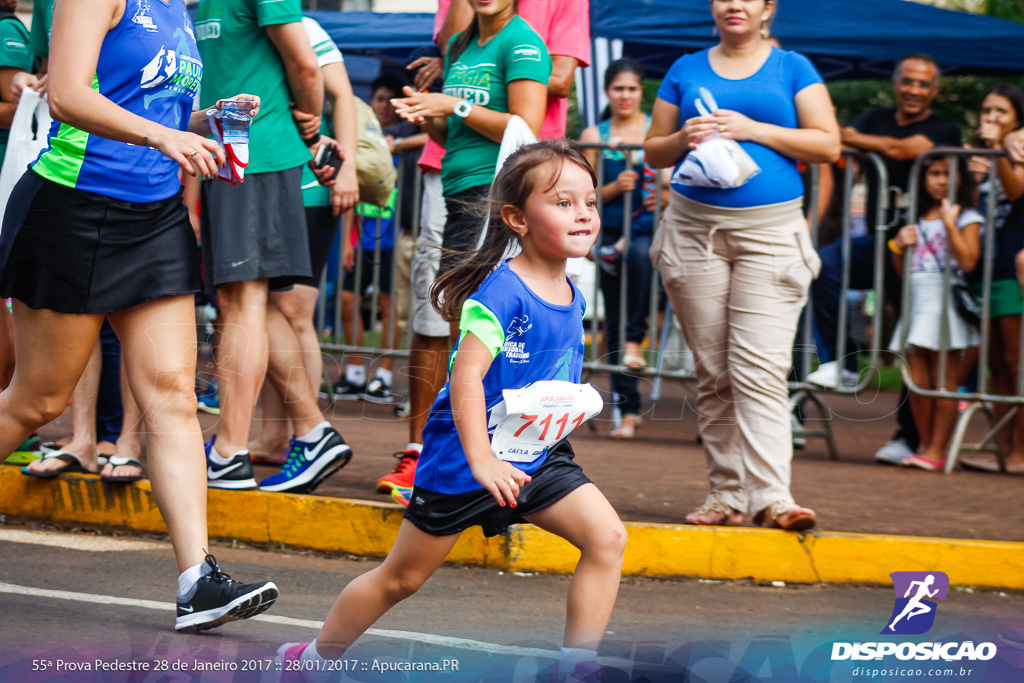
[(618, 257), (545, 202), (97, 227), (737, 261), (1002, 112), (944, 231)]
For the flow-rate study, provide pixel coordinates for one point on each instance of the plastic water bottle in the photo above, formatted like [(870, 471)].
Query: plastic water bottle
[(236, 121)]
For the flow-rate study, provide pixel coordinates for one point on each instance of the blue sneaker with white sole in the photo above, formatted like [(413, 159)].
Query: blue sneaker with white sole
[(309, 463)]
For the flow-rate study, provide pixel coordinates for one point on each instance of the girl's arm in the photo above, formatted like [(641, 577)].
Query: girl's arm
[(1011, 177), (345, 192), (965, 242), (79, 29), (469, 412), (527, 99), (816, 141)]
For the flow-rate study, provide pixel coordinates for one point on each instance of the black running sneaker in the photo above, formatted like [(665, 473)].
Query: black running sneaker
[(343, 390), (217, 599), (236, 475)]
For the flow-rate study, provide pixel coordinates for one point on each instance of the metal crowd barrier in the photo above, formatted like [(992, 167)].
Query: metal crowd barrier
[(981, 399), (386, 342)]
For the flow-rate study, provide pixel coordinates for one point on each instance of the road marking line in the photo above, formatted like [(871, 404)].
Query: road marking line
[(427, 638), (95, 544)]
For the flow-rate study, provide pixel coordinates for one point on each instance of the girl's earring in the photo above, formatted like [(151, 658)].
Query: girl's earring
[(765, 31)]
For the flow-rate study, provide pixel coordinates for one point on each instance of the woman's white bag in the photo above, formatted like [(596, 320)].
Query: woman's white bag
[(716, 162), (28, 138)]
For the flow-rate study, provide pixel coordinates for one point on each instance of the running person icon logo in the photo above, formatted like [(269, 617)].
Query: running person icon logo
[(914, 613)]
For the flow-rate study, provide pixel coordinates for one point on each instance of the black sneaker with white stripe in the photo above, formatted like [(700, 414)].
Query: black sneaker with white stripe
[(309, 463), (236, 475), (216, 599)]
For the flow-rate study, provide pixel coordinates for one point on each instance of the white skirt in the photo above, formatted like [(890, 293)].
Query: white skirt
[(926, 315)]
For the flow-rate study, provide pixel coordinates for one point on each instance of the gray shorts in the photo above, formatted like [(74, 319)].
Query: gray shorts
[(254, 230), (426, 320)]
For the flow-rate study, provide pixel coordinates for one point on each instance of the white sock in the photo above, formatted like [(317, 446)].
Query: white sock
[(413, 446), (384, 375), (355, 374), (571, 656), (220, 459), (316, 433), (188, 578), (314, 665)]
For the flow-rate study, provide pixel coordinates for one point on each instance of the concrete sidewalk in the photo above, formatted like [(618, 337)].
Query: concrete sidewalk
[(873, 520)]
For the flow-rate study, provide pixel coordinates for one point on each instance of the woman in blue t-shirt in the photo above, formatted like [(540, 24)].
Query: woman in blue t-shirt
[(737, 261)]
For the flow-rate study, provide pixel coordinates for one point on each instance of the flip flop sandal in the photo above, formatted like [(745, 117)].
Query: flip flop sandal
[(72, 465), (115, 461)]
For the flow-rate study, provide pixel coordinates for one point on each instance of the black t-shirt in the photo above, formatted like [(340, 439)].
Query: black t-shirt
[(940, 130)]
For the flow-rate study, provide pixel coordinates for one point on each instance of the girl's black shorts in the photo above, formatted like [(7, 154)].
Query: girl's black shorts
[(444, 514)]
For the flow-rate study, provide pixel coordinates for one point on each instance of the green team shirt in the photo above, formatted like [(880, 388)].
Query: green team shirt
[(239, 57), (14, 53), (42, 22), (481, 75)]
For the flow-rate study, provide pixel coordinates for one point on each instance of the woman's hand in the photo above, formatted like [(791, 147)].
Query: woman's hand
[(325, 175), (698, 128), (348, 258), (626, 182), (255, 99), (949, 213), (991, 135), (501, 479), (430, 69), (195, 154), (345, 193), (733, 125), (906, 237), (979, 165), (23, 80), (417, 107)]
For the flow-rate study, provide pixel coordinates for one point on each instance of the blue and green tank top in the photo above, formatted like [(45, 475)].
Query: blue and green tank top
[(149, 64), (530, 340)]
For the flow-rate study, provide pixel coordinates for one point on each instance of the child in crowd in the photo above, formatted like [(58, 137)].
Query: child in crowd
[(521, 323), (944, 231)]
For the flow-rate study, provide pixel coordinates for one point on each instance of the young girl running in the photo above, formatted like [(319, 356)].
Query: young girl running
[(521, 324), (945, 230)]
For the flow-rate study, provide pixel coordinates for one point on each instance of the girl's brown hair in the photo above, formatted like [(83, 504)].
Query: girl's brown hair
[(515, 183)]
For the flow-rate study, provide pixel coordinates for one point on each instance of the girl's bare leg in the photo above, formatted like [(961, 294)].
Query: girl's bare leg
[(415, 556), (945, 415), (586, 519), (921, 363)]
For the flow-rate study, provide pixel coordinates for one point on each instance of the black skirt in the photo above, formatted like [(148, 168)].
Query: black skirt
[(72, 251)]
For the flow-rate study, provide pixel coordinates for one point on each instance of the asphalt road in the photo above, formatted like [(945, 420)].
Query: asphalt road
[(110, 600)]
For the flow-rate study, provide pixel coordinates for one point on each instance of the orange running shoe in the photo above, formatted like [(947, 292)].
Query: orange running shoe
[(402, 475)]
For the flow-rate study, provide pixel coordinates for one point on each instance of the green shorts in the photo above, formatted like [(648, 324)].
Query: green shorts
[(1005, 299)]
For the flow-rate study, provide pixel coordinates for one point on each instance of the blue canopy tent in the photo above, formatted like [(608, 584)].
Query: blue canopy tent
[(844, 39)]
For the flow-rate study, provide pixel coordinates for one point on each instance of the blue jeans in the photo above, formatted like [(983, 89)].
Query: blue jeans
[(826, 290), (638, 301)]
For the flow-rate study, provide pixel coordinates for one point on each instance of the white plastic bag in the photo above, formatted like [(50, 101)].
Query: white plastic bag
[(517, 133), (716, 162), (29, 131)]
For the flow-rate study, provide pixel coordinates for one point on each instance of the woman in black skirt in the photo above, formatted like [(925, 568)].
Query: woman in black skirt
[(96, 227)]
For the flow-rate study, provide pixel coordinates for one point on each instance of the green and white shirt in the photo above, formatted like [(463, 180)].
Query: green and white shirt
[(480, 75), (14, 54), (313, 193)]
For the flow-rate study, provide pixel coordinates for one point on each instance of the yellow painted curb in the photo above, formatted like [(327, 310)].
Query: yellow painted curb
[(368, 528)]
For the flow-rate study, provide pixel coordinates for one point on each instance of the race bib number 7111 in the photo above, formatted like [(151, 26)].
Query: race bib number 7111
[(529, 421)]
